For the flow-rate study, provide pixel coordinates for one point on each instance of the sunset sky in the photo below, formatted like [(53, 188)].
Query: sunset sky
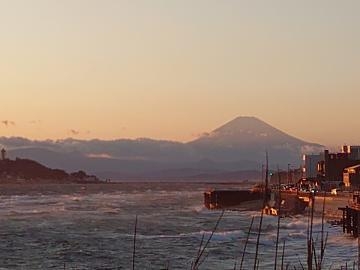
[(175, 69)]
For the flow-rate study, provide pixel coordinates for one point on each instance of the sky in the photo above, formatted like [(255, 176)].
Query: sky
[(175, 69)]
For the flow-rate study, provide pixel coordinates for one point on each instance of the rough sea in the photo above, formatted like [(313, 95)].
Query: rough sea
[(89, 227)]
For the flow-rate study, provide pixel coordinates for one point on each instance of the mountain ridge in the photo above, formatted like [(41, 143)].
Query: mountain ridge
[(251, 128), (239, 144)]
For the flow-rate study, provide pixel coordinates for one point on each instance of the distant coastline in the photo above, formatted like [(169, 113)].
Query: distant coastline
[(27, 171)]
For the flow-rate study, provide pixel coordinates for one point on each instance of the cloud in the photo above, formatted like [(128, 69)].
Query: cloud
[(8, 123), (35, 122), (200, 135), (99, 155), (311, 149), (74, 132)]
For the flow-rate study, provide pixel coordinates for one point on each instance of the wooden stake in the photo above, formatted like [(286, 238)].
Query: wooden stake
[(246, 242), (278, 221), (262, 210), (134, 243)]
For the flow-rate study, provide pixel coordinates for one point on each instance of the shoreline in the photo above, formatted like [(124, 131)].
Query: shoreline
[(47, 187), (38, 188), (51, 188)]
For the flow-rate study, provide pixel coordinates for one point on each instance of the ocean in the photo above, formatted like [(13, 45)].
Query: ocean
[(92, 227)]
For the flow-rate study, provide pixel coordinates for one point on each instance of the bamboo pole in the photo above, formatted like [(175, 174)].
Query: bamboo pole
[(323, 241), (310, 239), (302, 266), (201, 242), (278, 220), (358, 233), (314, 253), (262, 210), (134, 243), (197, 262), (246, 242)]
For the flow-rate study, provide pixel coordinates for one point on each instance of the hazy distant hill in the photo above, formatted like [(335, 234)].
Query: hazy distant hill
[(26, 170), (239, 145)]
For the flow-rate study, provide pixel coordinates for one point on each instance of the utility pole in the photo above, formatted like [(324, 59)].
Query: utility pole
[(288, 173)]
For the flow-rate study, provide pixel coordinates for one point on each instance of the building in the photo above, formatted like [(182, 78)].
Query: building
[(351, 176), (310, 165), (355, 152), (285, 177), (331, 168), (3, 154)]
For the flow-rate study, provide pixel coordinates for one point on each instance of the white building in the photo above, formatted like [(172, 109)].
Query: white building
[(310, 164)]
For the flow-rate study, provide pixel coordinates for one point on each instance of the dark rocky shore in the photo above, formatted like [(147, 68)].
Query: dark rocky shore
[(29, 171)]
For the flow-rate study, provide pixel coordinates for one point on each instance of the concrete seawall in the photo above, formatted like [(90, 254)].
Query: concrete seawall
[(218, 199)]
